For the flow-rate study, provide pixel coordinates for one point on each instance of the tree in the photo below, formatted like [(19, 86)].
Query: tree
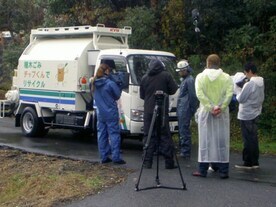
[(173, 28), (143, 22), (16, 15)]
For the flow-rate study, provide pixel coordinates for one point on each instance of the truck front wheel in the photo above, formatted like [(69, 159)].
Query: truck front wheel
[(29, 122)]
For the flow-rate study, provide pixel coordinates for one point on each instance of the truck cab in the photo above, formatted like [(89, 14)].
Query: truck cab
[(135, 62)]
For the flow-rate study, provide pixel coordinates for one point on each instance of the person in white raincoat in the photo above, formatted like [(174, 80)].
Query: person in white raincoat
[(250, 98), (214, 90)]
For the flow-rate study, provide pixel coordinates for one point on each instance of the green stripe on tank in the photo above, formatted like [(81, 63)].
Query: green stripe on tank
[(48, 93)]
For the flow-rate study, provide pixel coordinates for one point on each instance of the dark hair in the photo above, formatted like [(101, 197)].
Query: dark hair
[(250, 66)]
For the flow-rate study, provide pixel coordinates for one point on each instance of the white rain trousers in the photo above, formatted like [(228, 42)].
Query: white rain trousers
[(214, 136)]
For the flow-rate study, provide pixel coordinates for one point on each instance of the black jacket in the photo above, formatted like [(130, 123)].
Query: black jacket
[(156, 79)]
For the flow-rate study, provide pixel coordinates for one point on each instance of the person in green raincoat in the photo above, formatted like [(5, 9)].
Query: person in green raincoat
[(214, 90)]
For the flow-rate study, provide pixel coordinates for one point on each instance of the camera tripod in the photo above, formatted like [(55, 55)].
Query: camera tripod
[(158, 119)]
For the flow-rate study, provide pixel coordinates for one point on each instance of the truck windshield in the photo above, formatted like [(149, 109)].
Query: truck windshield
[(138, 65)]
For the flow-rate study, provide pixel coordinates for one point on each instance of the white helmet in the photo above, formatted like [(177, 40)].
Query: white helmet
[(182, 65)]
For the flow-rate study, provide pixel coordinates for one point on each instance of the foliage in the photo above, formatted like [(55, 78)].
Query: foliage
[(173, 28), (236, 30), (10, 60), (73, 12), (143, 23), (17, 15)]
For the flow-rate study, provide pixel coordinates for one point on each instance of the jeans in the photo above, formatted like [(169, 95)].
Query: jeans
[(223, 168), (250, 142)]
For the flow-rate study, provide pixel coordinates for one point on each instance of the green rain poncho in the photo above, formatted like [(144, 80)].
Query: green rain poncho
[(213, 88)]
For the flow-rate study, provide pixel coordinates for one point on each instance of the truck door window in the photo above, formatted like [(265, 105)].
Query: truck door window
[(138, 65), (116, 64)]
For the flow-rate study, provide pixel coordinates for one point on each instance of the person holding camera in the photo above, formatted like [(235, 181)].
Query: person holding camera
[(157, 79), (250, 98), (106, 92), (186, 107), (214, 89)]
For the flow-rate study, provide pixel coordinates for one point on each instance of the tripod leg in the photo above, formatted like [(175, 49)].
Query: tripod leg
[(151, 127), (159, 126), (141, 170), (146, 147), (157, 167), (180, 173)]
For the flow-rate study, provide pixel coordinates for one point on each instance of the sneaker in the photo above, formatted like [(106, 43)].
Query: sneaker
[(107, 160), (198, 174), (243, 166), (213, 169), (255, 166), (119, 162)]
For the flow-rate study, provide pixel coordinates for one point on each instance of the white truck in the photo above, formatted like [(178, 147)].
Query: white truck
[(51, 84)]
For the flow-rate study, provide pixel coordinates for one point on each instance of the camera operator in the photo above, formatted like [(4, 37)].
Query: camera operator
[(250, 98), (157, 79), (106, 92)]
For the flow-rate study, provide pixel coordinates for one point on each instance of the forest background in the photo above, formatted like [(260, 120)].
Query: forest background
[(237, 30)]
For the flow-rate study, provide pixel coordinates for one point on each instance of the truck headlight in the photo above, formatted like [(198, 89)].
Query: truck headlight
[(136, 115)]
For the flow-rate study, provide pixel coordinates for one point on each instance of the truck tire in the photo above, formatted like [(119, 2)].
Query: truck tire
[(30, 124)]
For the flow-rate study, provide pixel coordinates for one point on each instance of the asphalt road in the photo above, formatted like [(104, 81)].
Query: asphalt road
[(254, 188)]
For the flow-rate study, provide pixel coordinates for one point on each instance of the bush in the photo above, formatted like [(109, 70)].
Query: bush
[(11, 54)]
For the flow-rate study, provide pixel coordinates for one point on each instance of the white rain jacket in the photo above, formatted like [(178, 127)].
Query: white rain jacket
[(213, 88), (251, 99)]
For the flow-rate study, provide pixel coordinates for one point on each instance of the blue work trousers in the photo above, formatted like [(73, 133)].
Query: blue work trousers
[(109, 139), (185, 143)]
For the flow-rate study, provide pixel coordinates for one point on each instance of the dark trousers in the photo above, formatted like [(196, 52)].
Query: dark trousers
[(166, 145), (185, 143), (222, 168), (250, 142)]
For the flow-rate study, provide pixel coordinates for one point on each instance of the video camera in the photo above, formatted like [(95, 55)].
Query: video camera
[(121, 78), (242, 82), (160, 97)]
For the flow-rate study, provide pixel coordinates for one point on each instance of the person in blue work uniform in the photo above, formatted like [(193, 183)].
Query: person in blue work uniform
[(186, 107), (106, 92)]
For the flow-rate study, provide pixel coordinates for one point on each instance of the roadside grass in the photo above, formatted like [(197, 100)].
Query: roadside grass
[(28, 179), (267, 144)]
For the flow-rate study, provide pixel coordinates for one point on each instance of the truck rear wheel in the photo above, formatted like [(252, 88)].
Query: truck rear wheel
[(30, 124)]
